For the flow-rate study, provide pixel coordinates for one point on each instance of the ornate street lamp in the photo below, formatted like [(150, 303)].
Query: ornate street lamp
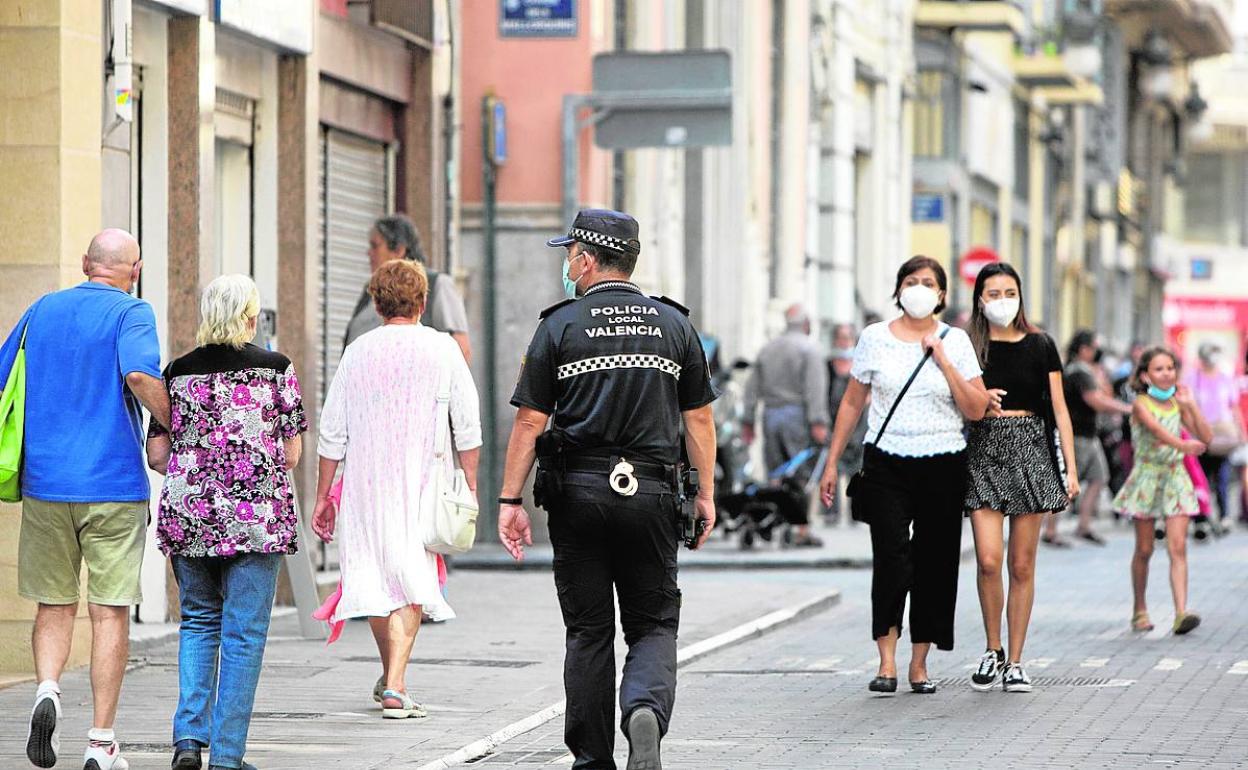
[(1158, 80), (1196, 109)]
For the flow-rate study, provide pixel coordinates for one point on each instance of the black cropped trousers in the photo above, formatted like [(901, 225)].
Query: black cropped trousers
[(915, 512)]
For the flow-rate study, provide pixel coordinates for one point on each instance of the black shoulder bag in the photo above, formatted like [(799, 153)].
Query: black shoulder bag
[(856, 482)]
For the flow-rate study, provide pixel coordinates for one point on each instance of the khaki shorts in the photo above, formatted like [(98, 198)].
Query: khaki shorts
[(1090, 460), (57, 537)]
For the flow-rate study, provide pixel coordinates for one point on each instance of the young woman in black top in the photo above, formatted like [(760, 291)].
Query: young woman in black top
[(1012, 464)]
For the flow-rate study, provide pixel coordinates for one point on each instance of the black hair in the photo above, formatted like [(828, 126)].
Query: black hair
[(978, 331), (397, 230), (610, 259), (914, 265), (1083, 338)]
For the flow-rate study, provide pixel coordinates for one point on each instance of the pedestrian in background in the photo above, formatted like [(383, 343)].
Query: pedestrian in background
[(1217, 396), (840, 364), (92, 359), (790, 379), (396, 237), (914, 472), (1085, 399), (1013, 465), (227, 515), (380, 417), (608, 475), (1159, 488)]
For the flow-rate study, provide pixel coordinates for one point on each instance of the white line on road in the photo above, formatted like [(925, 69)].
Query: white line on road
[(1240, 667), (1041, 662), (1094, 663), (757, 627), (1168, 664)]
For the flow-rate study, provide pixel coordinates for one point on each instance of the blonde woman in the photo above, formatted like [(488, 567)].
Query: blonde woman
[(227, 515)]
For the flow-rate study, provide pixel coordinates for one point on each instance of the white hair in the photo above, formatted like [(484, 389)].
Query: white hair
[(226, 309)]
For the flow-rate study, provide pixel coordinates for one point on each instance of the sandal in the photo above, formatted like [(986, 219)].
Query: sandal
[(1140, 622), (409, 709), (1186, 623), (1057, 541)]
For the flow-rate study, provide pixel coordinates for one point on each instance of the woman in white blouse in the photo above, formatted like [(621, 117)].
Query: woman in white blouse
[(380, 416), (915, 472)]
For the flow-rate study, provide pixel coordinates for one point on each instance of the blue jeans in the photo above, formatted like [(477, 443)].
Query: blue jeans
[(226, 605)]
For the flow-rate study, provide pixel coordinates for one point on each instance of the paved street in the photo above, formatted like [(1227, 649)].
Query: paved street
[(794, 698), (1105, 698)]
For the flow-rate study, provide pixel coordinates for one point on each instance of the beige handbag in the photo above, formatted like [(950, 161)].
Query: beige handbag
[(448, 517)]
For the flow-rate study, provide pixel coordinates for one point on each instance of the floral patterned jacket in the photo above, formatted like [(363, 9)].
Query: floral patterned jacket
[(226, 488)]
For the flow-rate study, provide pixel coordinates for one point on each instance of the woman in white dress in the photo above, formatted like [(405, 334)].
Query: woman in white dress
[(379, 416)]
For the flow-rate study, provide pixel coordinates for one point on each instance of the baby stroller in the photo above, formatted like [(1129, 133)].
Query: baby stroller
[(769, 511)]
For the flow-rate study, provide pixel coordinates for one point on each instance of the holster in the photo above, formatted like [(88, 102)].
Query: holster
[(548, 483)]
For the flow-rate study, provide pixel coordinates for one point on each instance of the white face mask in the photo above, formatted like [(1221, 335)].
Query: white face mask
[(1001, 312), (919, 301)]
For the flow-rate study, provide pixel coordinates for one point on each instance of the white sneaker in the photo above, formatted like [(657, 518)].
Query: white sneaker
[(986, 676), (43, 740), (103, 752), (1015, 679)]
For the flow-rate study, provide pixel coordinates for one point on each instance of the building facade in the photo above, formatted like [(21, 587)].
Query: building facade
[(229, 137)]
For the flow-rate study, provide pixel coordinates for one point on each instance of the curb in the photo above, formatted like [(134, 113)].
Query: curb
[(755, 628)]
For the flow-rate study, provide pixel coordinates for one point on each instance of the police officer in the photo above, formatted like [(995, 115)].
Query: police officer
[(618, 371)]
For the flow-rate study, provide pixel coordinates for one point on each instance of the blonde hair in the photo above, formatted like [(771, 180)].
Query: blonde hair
[(227, 306)]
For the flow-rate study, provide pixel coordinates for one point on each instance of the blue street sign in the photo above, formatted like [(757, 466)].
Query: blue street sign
[(537, 18), (500, 134), (927, 207), (1202, 269)]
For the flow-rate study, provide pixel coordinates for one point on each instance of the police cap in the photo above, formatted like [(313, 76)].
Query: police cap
[(602, 227)]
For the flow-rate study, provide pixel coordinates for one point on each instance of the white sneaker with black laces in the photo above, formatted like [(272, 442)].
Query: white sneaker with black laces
[(989, 671), (1016, 679)]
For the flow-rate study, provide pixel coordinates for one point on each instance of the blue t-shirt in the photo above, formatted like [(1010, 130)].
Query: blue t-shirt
[(84, 428)]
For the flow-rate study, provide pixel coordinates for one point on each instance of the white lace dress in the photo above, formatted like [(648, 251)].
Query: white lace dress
[(379, 417)]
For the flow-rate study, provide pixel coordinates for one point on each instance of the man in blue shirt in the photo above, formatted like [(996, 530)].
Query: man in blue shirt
[(92, 359)]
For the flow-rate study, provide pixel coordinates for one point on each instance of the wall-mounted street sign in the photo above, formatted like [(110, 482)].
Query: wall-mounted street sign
[(537, 18), (926, 208), (678, 99)]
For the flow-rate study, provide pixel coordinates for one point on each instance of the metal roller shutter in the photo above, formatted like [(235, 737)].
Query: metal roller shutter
[(355, 191)]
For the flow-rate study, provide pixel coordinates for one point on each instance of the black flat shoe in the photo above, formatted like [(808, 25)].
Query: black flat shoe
[(884, 684), (188, 757), (926, 687)]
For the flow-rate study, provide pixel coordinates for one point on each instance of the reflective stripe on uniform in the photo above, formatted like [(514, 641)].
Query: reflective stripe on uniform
[(622, 361)]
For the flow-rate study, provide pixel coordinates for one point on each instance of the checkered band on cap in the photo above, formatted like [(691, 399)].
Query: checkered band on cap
[(622, 361), (598, 239)]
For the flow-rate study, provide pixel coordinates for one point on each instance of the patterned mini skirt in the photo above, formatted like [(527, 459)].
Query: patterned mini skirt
[(1010, 467)]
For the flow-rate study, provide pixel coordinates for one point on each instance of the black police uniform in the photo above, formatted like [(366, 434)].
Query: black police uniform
[(616, 368)]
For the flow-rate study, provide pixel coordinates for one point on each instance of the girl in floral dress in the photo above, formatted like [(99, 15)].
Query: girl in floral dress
[(1159, 486)]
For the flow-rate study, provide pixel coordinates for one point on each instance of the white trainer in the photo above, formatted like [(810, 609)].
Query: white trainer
[(103, 752), (43, 741)]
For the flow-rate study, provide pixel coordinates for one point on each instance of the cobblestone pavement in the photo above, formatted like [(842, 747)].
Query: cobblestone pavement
[(1105, 697)]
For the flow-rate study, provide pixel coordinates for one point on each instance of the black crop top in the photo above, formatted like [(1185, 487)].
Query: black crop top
[(1022, 370)]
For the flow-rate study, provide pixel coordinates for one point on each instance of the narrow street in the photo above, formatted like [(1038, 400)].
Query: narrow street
[(795, 697)]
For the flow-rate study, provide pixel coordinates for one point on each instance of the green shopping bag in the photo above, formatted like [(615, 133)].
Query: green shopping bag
[(12, 422)]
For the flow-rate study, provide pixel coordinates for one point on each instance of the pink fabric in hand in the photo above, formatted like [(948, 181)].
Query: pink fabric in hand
[(1199, 479), (326, 611)]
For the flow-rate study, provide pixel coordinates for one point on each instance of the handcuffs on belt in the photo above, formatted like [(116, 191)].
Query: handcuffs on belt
[(622, 480)]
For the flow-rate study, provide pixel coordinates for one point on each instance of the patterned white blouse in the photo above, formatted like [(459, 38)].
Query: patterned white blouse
[(927, 422)]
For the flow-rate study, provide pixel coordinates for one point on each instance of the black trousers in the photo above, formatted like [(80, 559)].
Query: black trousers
[(915, 508), (1212, 466), (604, 541)]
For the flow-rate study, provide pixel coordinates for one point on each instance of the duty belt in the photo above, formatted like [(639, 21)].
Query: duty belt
[(622, 474)]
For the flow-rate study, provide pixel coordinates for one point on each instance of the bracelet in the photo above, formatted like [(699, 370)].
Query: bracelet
[(511, 501)]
